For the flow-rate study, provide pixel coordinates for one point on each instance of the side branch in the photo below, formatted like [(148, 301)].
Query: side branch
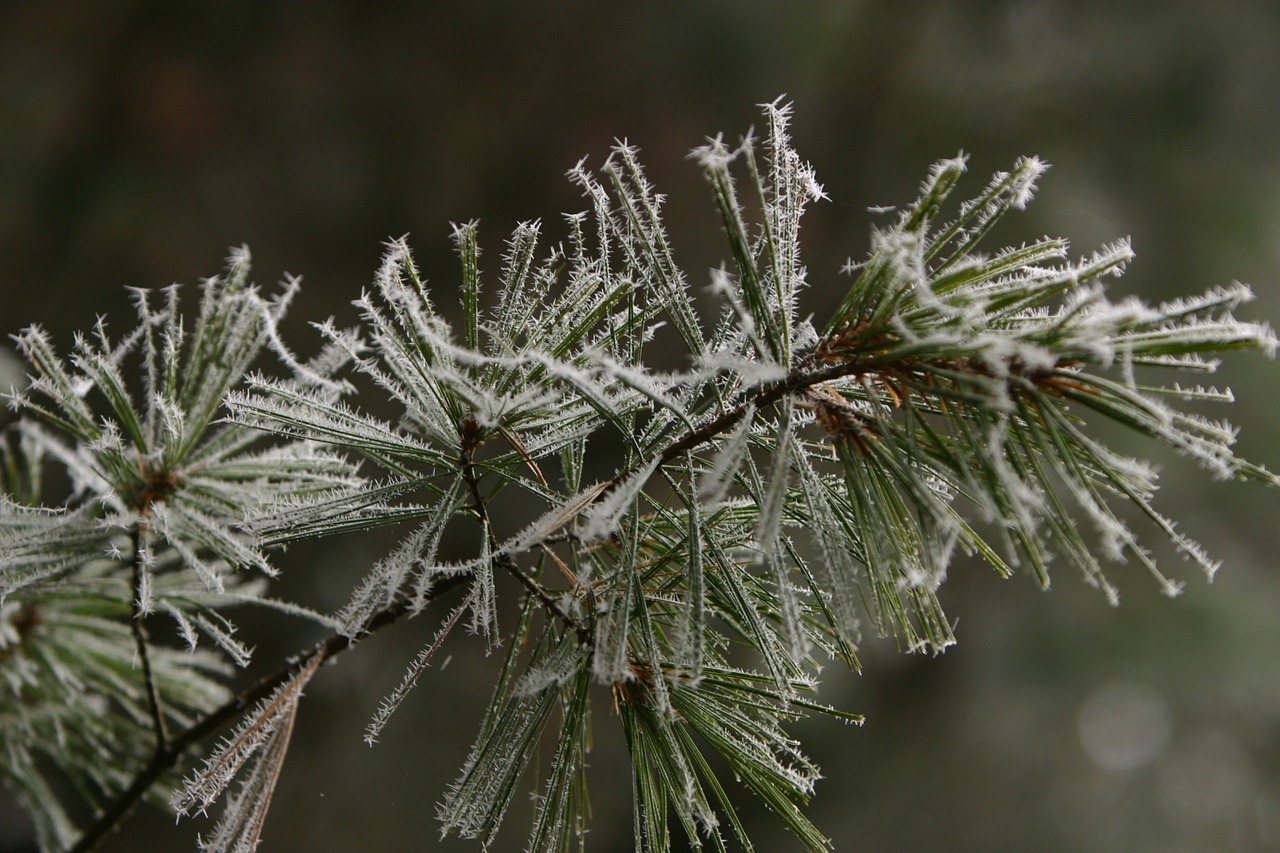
[(165, 759), (468, 471)]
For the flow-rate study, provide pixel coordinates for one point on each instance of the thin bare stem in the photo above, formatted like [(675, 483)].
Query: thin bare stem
[(467, 469)]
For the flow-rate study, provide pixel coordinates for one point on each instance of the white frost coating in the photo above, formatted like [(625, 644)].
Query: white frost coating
[(714, 484), (1109, 259), (186, 630), (261, 741), (1201, 392), (1138, 473), (602, 519), (715, 155), (941, 178), (1207, 442), (555, 670), (389, 574), (721, 283), (724, 286), (484, 608), (655, 386), (172, 417), (769, 537), (1024, 500), (750, 371), (809, 180), (390, 275), (804, 336), (953, 372), (271, 325), (221, 634), (1216, 299), (1025, 175), (1267, 339), (903, 251), (144, 602), (392, 702)]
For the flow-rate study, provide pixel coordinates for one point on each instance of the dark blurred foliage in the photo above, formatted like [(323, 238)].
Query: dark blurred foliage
[(139, 139)]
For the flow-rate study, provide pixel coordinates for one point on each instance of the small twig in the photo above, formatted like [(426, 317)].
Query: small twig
[(551, 602), (467, 469)]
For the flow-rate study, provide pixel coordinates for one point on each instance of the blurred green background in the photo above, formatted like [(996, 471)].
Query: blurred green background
[(138, 140)]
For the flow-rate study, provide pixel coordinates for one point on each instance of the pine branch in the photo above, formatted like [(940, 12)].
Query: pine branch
[(790, 482)]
